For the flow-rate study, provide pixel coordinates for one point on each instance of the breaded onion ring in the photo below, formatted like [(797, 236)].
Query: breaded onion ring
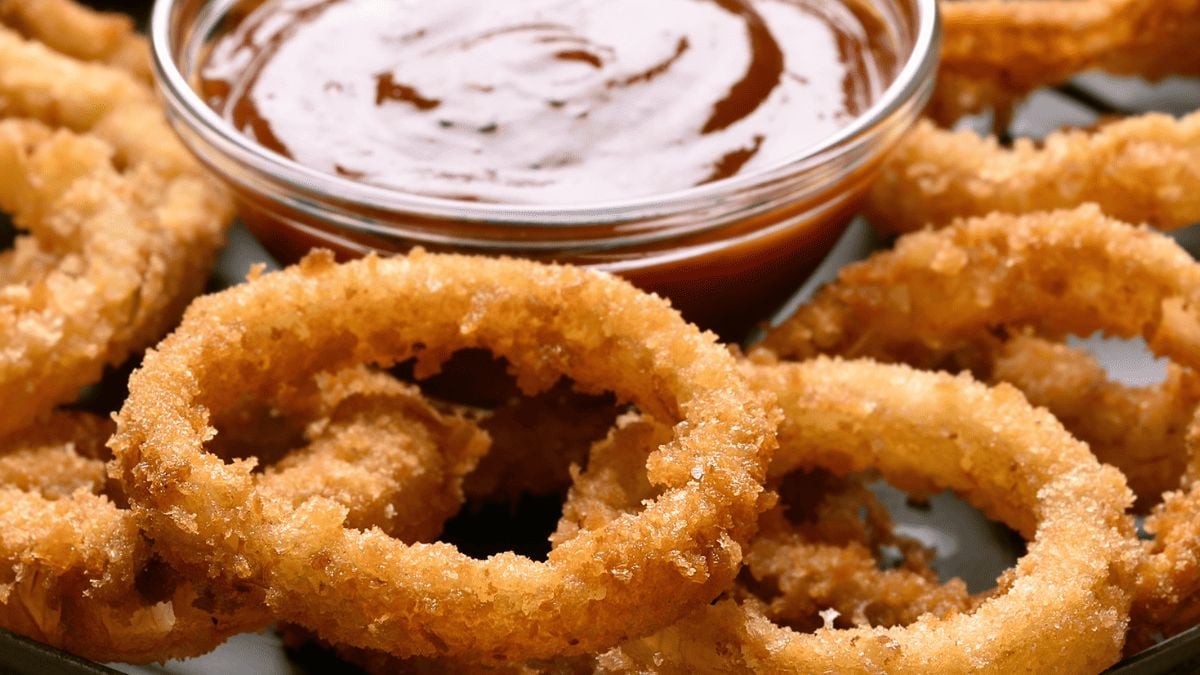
[(807, 579), (83, 578), (1142, 170), (1063, 607), (380, 450), (1142, 426), (79, 32), (368, 590), (1167, 597), (958, 293), (77, 573), (812, 557), (995, 52), (58, 456), (123, 225)]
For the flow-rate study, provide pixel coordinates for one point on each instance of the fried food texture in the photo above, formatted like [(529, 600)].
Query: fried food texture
[(77, 572), (80, 33), (819, 549), (1142, 169), (377, 448), (995, 52), (118, 226), (428, 599), (84, 578), (929, 431), (1167, 598), (960, 297)]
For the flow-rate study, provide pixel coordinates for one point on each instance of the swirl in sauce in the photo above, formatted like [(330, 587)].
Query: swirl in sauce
[(542, 101)]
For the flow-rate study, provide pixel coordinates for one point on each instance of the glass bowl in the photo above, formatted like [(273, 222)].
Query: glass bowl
[(726, 253)]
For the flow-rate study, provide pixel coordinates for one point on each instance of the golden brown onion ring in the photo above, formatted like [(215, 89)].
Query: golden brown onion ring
[(77, 572), (995, 52), (81, 33), (815, 551), (1140, 429), (81, 576), (797, 578), (376, 447), (1142, 170), (547, 321), (1167, 598), (941, 299), (58, 456), (931, 431), (122, 225)]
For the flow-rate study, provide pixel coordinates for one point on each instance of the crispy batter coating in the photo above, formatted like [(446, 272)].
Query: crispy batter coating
[(590, 594), (995, 52), (615, 482), (945, 298), (58, 456), (930, 431), (1142, 170), (84, 578), (81, 33), (77, 572), (818, 550), (1167, 598), (122, 225), (376, 447), (1139, 429), (799, 571)]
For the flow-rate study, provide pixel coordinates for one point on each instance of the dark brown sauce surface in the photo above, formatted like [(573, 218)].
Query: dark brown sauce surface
[(542, 101)]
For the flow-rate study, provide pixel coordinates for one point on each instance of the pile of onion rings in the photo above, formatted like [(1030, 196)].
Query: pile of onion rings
[(289, 454), (962, 297), (84, 578), (1141, 169), (937, 431)]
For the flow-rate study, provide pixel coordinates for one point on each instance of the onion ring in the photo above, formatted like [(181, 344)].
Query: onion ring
[(826, 562), (1167, 598), (83, 578), (995, 52), (799, 576), (960, 290), (378, 449), (1143, 426), (1142, 169), (81, 33), (78, 574), (321, 316), (58, 457), (123, 225), (1011, 460)]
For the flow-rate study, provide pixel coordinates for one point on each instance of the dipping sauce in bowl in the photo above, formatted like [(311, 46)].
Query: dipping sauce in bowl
[(710, 150), (544, 101)]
